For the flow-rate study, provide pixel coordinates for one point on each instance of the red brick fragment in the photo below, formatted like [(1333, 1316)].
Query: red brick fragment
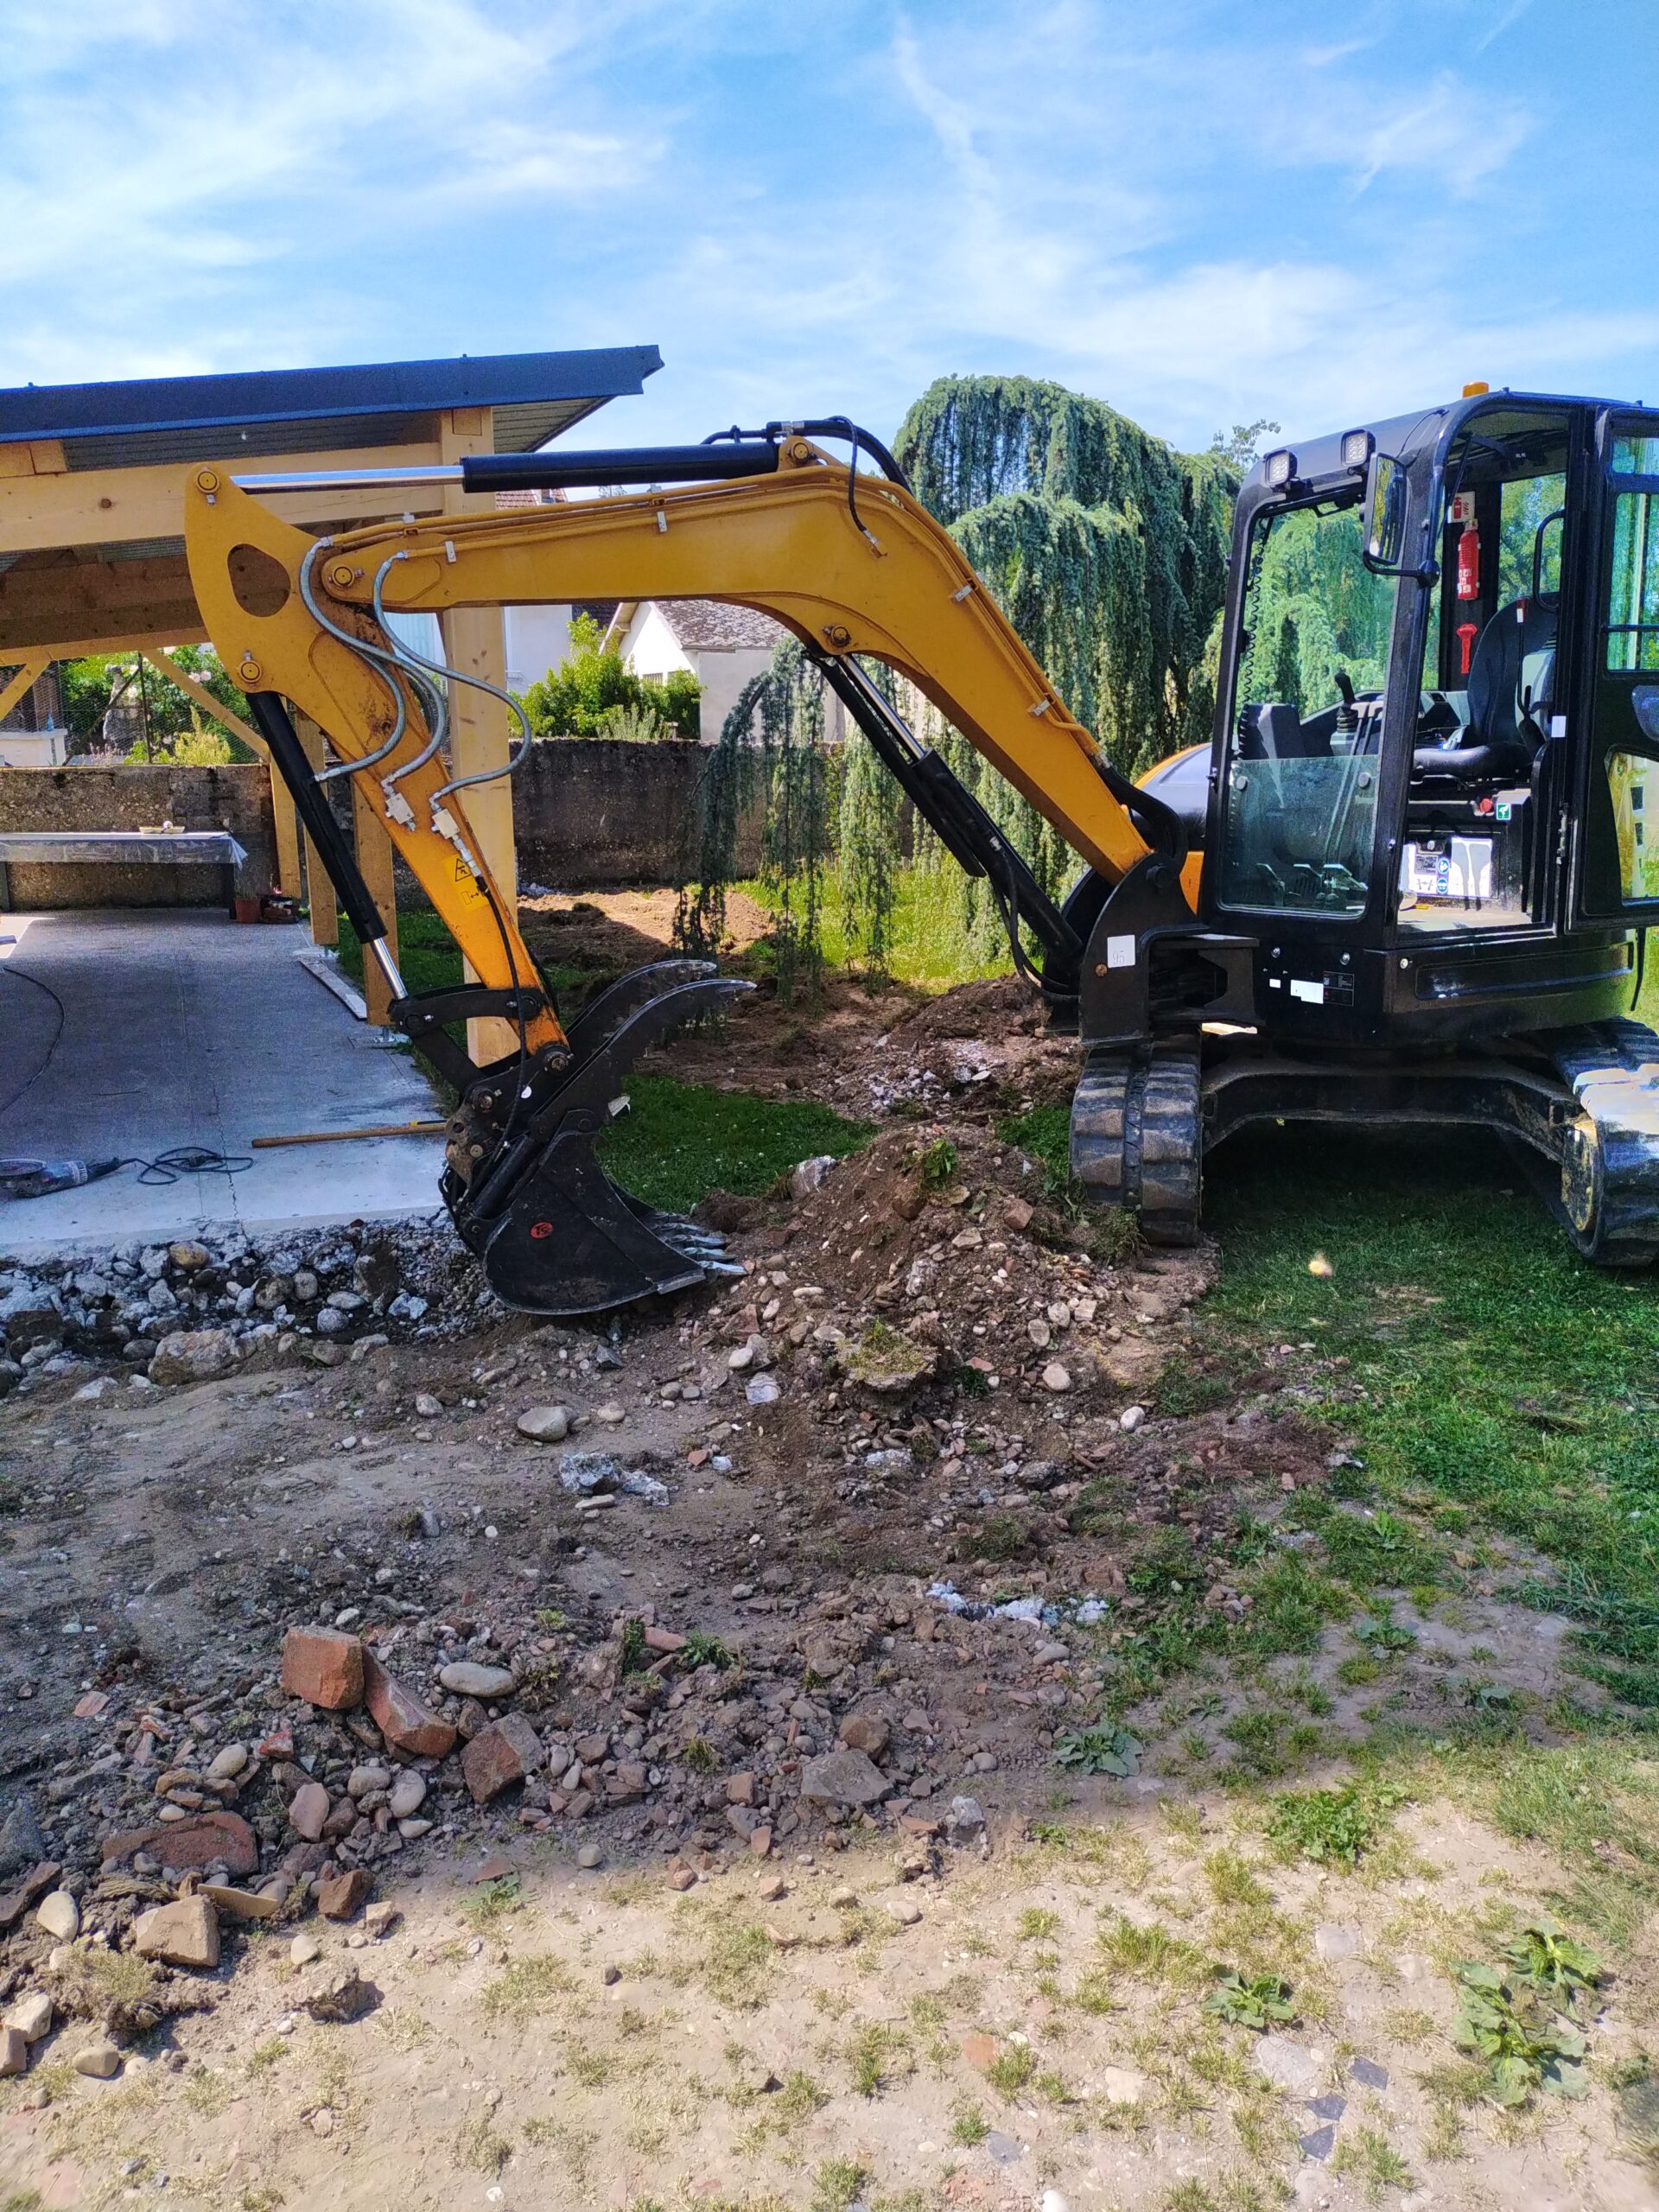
[(664, 1639), (89, 1707), (407, 1725), (324, 1666), (505, 1753), (342, 1896), (199, 1842)]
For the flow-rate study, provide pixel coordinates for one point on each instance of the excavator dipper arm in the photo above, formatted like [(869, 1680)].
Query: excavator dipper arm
[(854, 566)]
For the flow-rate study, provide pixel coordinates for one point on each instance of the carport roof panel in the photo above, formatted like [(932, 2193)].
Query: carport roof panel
[(147, 420)]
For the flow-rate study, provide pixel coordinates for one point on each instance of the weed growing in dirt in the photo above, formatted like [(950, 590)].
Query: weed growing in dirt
[(969, 2127), (700, 1754), (1037, 1924), (1369, 2156), (493, 1901), (1101, 1750), (1010, 2070), (1259, 2003), (478, 2145), (837, 2184), (537, 1984), (937, 1163), (1547, 1959), (704, 1648), (1334, 1827), (1521, 2047), (1233, 1882), (877, 2057)]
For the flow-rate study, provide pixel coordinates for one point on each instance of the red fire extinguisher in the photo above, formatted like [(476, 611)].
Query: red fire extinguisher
[(1468, 548)]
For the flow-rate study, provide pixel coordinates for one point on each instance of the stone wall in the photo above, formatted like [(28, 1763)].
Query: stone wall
[(129, 797), (589, 811)]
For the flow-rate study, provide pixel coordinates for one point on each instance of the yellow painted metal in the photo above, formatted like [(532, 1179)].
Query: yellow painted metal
[(234, 543), (785, 543)]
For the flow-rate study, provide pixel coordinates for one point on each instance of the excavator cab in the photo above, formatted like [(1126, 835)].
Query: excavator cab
[(1433, 782)]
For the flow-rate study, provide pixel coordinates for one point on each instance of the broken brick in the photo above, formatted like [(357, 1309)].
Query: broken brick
[(15, 1903), (324, 1666), (200, 1841), (505, 1753), (184, 1934), (14, 2051), (666, 1640), (408, 1726), (341, 1896)]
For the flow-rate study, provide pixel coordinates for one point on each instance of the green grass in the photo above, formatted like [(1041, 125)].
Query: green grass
[(926, 949), (1469, 1353), (682, 1141), (427, 955)]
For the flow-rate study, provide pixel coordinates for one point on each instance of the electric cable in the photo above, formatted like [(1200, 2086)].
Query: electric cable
[(21, 975), (186, 1159)]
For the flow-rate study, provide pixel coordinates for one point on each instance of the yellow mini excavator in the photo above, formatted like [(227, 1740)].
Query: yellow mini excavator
[(1409, 881)]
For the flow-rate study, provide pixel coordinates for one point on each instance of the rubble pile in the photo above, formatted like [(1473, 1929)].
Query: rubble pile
[(191, 1310)]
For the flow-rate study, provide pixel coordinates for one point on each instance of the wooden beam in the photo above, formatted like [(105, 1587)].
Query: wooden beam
[(23, 683), (289, 878), (116, 641), (32, 457), (320, 891), (108, 506), (374, 860), (202, 697), (474, 640)]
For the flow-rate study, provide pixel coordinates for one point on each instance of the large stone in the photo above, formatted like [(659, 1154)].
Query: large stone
[(408, 1794), (101, 2059), (183, 1934), (242, 1905), (499, 1756), (468, 1678), (189, 1255), (31, 2016), (1289, 2066), (226, 1765), (344, 1996), (886, 1362), (1121, 2085), (842, 1777), (193, 1355), (309, 1810), (362, 1781), (407, 1725), (545, 1424), (866, 1731), (324, 1666), (58, 1914), (195, 1843), (21, 1844), (14, 2051)]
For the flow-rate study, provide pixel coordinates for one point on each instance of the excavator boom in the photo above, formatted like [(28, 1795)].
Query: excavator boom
[(853, 565)]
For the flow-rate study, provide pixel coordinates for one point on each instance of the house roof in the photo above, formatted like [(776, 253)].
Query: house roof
[(150, 419), (718, 626)]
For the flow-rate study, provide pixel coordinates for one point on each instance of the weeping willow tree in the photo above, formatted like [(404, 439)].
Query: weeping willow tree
[(1106, 549), (770, 754)]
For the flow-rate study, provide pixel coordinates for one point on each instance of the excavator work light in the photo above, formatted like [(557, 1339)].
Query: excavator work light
[(1279, 467), (1356, 448)]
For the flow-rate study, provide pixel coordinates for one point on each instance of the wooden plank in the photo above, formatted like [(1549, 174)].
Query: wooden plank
[(106, 506), (23, 683), (320, 891), (374, 859), (474, 640), (32, 457), (202, 697)]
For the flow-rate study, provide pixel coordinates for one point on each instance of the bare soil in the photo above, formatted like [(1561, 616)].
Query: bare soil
[(928, 1400)]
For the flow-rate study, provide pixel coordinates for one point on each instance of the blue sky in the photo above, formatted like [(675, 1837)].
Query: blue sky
[(1201, 213)]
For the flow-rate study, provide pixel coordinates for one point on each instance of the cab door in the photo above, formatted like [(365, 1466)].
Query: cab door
[(1618, 847)]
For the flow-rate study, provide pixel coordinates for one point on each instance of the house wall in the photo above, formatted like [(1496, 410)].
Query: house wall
[(537, 639), (651, 648), (134, 797)]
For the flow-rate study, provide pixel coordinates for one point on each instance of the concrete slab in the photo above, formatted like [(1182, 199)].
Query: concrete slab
[(178, 1027)]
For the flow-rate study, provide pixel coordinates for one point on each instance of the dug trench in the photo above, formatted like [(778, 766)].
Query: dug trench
[(836, 1739)]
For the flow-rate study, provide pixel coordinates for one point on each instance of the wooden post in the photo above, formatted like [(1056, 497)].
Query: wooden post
[(375, 860), (320, 891), (474, 639), (289, 881)]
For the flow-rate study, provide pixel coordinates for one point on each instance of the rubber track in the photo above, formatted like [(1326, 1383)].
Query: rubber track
[(1137, 1137), (1612, 1068)]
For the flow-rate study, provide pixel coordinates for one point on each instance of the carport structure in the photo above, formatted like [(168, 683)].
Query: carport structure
[(92, 551)]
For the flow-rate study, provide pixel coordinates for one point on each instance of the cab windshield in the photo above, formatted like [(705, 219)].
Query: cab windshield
[(1307, 725)]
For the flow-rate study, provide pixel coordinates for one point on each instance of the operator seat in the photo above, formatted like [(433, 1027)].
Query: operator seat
[(1514, 660)]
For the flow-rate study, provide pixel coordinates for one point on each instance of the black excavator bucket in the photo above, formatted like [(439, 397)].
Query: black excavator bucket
[(555, 1235)]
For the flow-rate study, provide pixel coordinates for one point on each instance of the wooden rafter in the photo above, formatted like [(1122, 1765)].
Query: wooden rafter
[(200, 697), (23, 682)]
